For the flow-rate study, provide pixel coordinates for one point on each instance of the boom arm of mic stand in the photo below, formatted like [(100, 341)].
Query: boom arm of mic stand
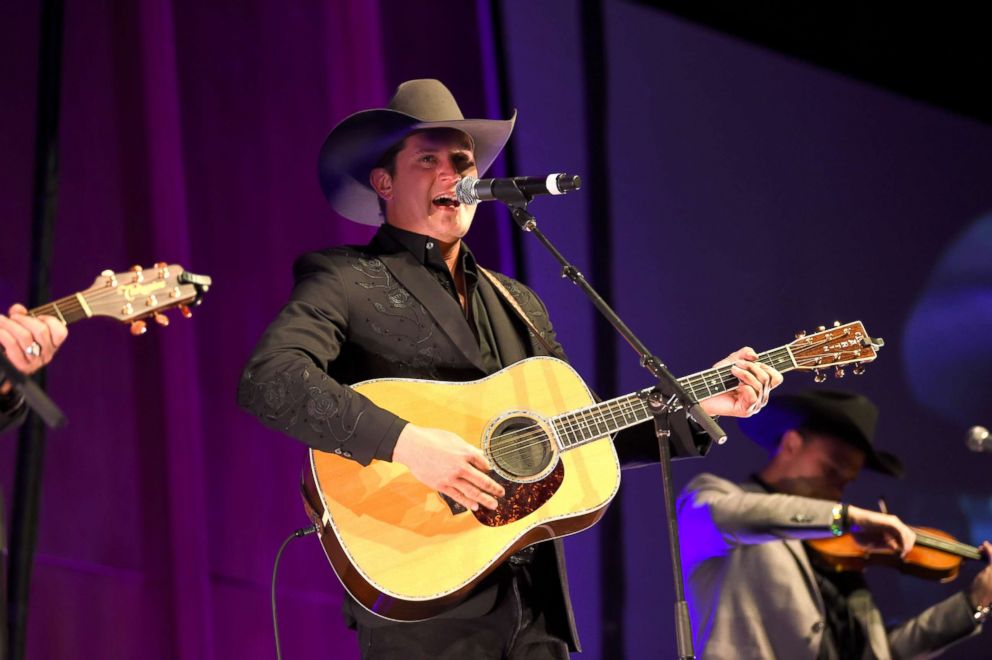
[(34, 396), (667, 383)]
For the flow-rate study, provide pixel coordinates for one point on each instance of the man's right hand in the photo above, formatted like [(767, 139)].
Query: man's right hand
[(880, 531), (445, 462)]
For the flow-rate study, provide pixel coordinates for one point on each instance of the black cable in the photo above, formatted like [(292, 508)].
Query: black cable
[(300, 533)]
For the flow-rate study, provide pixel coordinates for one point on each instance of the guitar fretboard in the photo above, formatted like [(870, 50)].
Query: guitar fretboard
[(68, 310), (606, 418)]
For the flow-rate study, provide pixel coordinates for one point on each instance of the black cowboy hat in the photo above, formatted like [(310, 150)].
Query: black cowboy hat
[(844, 415), (355, 145)]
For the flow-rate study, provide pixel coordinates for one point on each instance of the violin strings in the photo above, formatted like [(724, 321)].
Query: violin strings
[(953, 547)]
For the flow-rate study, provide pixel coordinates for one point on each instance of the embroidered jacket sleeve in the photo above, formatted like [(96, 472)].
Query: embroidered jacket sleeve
[(286, 382)]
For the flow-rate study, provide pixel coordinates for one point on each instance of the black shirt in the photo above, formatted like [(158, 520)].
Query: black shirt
[(427, 251)]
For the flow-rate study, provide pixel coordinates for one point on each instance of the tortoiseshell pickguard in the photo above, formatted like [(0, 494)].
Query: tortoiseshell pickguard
[(520, 499)]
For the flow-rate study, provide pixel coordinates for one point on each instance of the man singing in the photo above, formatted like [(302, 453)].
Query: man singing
[(414, 303)]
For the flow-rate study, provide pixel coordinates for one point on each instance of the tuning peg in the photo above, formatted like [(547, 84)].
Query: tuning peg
[(138, 328), (821, 328), (185, 311), (858, 369), (138, 275), (838, 371), (819, 376), (161, 319), (836, 324), (800, 334), (163, 269), (111, 277)]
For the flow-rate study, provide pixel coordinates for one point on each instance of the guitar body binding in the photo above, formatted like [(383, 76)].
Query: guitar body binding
[(399, 549)]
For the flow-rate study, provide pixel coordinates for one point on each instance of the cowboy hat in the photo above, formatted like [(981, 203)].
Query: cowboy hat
[(353, 147), (845, 415)]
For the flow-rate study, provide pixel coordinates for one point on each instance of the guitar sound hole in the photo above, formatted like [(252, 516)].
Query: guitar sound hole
[(520, 448)]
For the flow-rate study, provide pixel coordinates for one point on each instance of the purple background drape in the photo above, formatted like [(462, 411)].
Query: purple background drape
[(753, 195)]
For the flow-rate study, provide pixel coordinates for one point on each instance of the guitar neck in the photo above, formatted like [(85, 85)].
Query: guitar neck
[(68, 310), (132, 296), (588, 424)]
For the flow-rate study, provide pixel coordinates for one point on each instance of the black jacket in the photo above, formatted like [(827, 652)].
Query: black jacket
[(358, 313)]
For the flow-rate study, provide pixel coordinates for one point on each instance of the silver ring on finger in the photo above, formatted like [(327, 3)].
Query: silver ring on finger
[(34, 350)]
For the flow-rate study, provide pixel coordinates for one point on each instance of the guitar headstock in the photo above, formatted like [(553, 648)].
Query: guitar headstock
[(134, 295), (835, 347)]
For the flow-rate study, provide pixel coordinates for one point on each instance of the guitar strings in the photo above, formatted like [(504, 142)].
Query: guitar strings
[(592, 423), (94, 297), (947, 545), (571, 425)]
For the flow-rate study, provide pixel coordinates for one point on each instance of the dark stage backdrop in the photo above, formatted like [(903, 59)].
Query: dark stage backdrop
[(754, 195), (751, 195)]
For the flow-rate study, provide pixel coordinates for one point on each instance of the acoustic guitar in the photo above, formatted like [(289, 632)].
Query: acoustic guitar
[(405, 552)]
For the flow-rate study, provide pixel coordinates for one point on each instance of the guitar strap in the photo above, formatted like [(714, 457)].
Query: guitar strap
[(502, 290)]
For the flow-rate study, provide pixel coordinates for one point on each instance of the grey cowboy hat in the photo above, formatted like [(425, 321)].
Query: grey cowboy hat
[(844, 415), (353, 147)]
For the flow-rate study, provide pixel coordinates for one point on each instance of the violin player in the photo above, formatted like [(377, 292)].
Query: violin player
[(754, 591)]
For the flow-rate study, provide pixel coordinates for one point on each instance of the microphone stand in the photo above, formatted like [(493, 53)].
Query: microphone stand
[(665, 398), (34, 397)]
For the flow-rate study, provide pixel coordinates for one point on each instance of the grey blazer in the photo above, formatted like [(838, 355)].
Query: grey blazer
[(751, 589)]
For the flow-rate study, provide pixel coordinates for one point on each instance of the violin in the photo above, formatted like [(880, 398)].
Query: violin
[(936, 555)]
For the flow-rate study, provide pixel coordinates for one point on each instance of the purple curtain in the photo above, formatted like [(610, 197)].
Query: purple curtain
[(189, 134)]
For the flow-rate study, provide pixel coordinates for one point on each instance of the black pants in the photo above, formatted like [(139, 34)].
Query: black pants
[(513, 630)]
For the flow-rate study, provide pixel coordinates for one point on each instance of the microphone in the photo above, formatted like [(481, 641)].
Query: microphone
[(979, 440), (471, 190)]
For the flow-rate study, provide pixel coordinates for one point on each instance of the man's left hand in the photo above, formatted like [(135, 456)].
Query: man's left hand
[(981, 586), (757, 380), (30, 343)]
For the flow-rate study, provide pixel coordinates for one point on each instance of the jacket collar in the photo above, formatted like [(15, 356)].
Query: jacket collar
[(409, 270)]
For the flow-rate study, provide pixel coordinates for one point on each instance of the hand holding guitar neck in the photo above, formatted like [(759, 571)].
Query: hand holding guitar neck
[(30, 343), (756, 381), (30, 338)]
